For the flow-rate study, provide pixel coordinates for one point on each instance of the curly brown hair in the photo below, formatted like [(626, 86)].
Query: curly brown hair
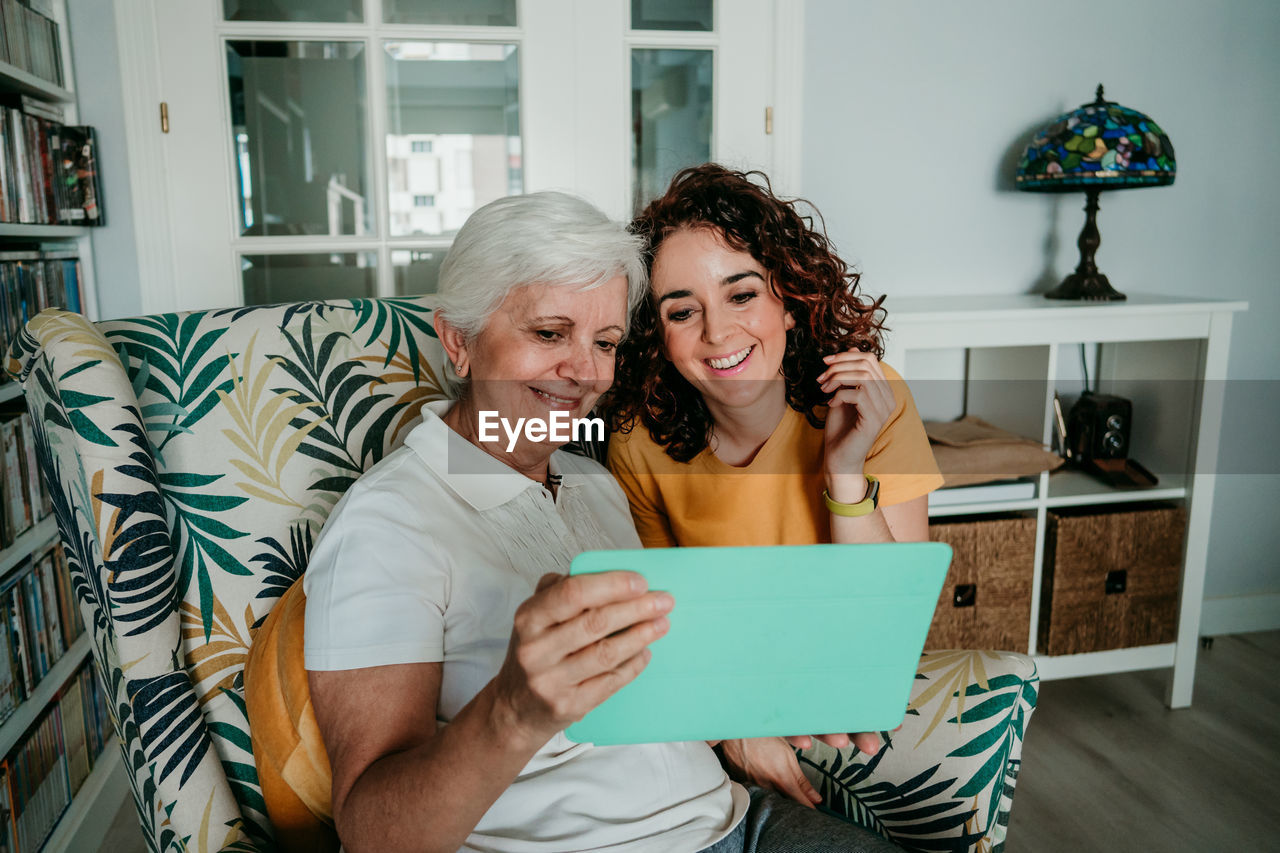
[(814, 284)]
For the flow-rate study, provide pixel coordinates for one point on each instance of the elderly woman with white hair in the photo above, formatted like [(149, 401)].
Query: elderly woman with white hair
[(445, 650)]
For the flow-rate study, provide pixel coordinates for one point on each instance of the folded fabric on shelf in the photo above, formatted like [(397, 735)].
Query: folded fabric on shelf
[(970, 450)]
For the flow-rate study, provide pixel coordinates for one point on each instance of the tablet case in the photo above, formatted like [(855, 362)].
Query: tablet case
[(779, 640)]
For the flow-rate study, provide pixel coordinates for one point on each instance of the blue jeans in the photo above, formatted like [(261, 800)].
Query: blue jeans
[(775, 823)]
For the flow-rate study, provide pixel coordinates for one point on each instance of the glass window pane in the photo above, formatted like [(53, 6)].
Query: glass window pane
[(463, 13), (272, 279), (313, 11), (453, 132), (671, 117), (693, 15), (298, 127), (416, 271)]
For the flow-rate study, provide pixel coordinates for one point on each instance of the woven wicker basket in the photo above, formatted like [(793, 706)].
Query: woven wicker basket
[(986, 600), (1111, 578)]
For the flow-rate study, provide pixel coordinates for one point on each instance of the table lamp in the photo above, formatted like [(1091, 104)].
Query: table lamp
[(1100, 146)]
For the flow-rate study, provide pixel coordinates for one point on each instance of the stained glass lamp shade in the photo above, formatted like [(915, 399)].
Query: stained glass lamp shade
[(1100, 146)]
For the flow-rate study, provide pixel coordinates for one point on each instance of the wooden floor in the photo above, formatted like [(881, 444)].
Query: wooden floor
[(124, 836), (1107, 767)]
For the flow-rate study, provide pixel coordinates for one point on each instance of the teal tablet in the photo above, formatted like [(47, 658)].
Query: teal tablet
[(784, 640)]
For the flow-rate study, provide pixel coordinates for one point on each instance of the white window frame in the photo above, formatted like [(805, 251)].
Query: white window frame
[(373, 35), (674, 40), (593, 112)]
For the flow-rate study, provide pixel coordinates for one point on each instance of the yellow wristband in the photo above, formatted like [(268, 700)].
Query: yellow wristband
[(866, 506)]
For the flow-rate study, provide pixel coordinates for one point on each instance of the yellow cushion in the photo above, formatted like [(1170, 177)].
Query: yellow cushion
[(293, 766)]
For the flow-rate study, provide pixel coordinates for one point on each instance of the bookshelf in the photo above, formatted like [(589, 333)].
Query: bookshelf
[(26, 83), (43, 694), (85, 822), (39, 232), (26, 543), (1001, 358), (40, 71)]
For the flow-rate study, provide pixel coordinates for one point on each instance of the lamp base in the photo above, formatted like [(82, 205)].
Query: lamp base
[(1093, 287), (1086, 282)]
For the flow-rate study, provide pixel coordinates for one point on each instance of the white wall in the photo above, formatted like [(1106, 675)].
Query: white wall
[(92, 31), (915, 114)]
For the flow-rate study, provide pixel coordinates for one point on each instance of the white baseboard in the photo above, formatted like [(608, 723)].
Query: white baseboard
[(1237, 614)]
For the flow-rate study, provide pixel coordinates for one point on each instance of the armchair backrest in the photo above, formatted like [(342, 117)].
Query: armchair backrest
[(193, 459)]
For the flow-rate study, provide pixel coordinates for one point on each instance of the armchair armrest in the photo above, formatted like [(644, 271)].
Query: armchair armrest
[(945, 779)]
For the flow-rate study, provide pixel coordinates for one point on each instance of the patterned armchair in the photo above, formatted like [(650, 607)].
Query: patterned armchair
[(193, 459)]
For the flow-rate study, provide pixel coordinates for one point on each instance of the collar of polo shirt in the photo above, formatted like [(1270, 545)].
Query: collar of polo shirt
[(478, 478)]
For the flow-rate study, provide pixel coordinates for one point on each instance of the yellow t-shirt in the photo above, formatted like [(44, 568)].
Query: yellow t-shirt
[(776, 499)]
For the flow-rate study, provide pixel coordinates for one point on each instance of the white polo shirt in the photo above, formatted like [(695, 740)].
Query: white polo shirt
[(426, 558)]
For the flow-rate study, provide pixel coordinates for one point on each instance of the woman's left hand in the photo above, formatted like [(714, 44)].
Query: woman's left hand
[(772, 763), (861, 403), (867, 743)]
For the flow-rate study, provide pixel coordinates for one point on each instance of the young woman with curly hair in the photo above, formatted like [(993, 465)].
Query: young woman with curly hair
[(756, 355), (750, 405)]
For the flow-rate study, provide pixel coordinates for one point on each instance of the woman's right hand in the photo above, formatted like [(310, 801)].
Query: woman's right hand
[(575, 642), (860, 405)]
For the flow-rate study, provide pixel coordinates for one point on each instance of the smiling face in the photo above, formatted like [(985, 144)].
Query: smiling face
[(547, 348), (723, 327)]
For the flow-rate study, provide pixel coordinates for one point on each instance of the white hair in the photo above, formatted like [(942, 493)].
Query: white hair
[(540, 238)]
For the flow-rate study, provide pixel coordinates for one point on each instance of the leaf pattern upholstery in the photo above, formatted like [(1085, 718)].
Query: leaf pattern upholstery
[(194, 457), (945, 780)]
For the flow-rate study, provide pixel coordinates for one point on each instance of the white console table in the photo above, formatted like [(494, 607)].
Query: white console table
[(1001, 358)]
